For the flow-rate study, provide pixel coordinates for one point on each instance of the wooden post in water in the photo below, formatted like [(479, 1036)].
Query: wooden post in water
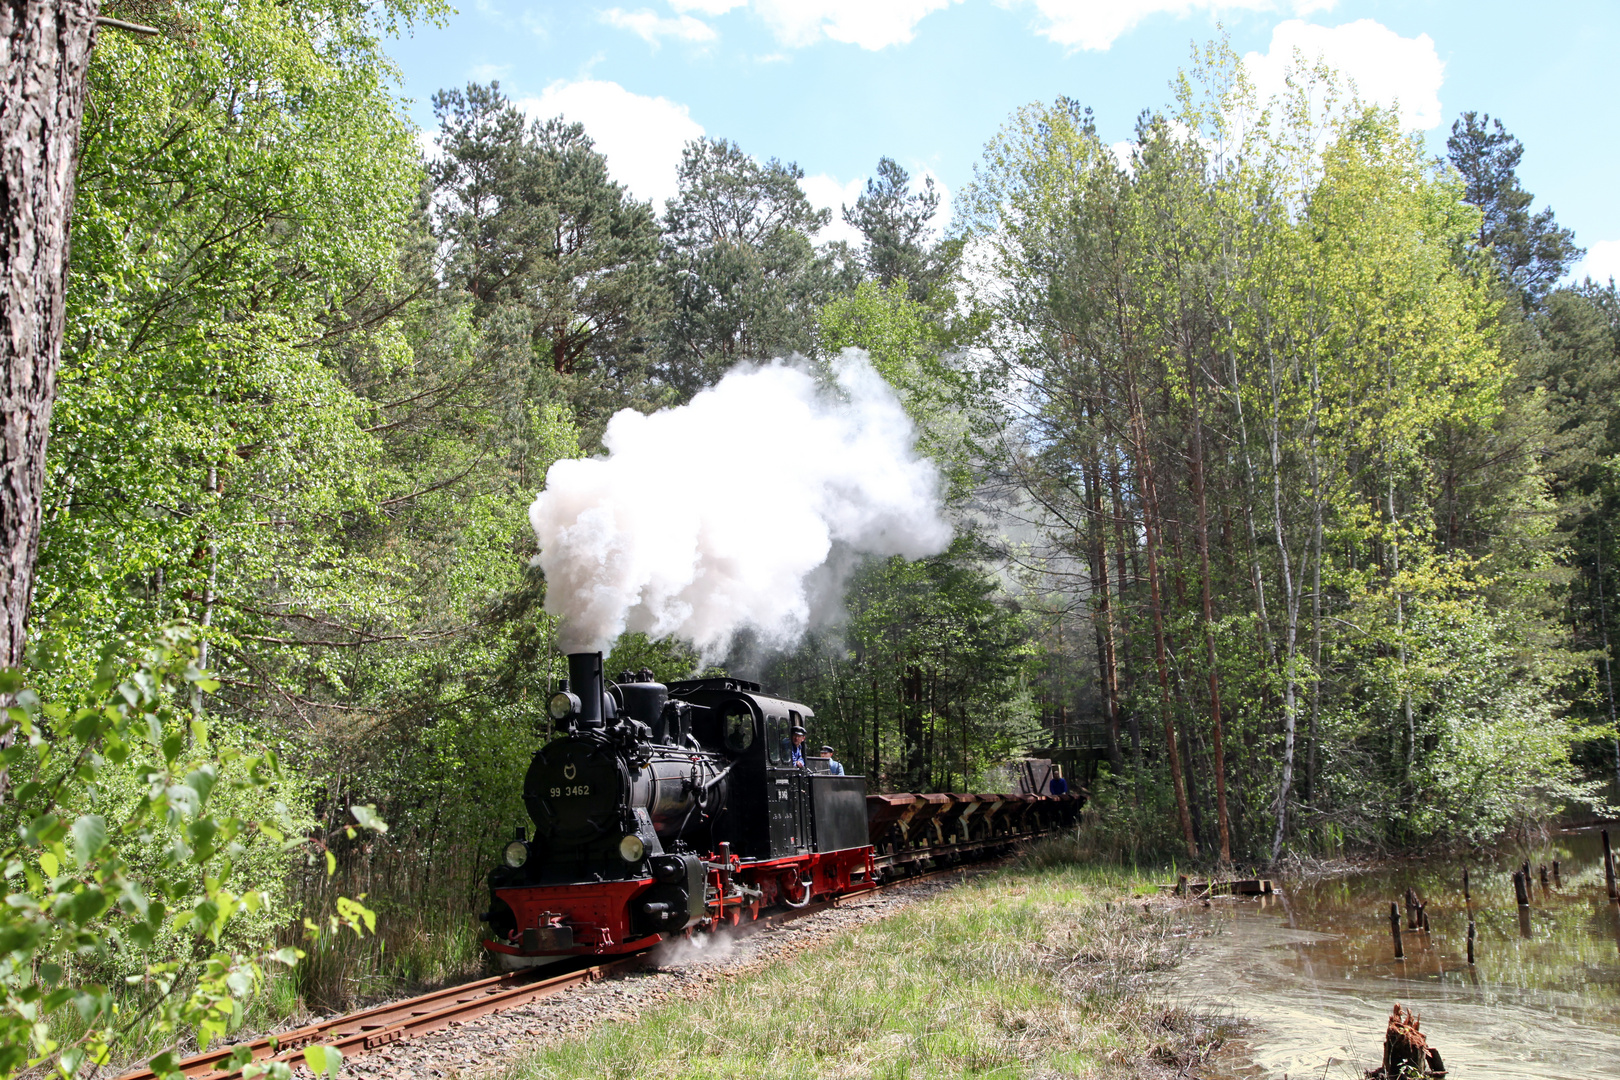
[(1471, 935), (1545, 887), (1181, 884), (1556, 882), (1608, 865), (1524, 868), (1521, 890), (1395, 929)]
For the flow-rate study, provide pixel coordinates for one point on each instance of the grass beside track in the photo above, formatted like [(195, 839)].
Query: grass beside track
[(1042, 969)]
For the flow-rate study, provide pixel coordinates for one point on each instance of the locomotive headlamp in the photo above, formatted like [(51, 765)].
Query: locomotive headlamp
[(517, 853), (631, 849), (562, 705)]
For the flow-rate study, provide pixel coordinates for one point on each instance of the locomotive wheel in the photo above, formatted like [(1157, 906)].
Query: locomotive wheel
[(733, 916), (793, 889)]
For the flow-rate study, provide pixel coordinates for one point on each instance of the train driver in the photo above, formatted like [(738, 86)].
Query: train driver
[(833, 767), (793, 752)]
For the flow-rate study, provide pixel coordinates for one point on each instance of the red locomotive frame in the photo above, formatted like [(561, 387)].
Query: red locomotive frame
[(905, 830)]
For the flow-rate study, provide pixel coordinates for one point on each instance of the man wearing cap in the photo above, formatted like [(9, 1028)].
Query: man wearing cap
[(833, 768), (793, 750)]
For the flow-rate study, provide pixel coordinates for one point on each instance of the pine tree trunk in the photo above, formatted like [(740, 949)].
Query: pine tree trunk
[(45, 54), (1199, 495), (1150, 527), (1122, 658)]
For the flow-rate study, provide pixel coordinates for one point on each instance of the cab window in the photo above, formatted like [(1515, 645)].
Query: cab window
[(737, 726), (776, 739)]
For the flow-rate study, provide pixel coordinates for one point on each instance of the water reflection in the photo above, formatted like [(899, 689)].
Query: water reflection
[(1315, 968)]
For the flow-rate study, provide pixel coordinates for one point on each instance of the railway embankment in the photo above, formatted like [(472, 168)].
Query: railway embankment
[(1040, 968)]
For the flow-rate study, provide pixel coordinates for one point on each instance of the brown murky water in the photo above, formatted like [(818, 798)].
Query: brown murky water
[(1313, 970)]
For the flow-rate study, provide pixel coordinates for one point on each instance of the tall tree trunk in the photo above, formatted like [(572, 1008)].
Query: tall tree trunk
[(1103, 609), (1291, 603), (1199, 496), (1608, 671), (1123, 658), (1400, 637), (1150, 527), (1262, 621), (44, 54), (1316, 621)]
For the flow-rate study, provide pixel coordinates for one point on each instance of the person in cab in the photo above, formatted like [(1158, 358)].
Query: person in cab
[(793, 748), (833, 767)]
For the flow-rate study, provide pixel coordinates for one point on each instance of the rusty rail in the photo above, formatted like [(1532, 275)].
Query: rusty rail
[(369, 1029)]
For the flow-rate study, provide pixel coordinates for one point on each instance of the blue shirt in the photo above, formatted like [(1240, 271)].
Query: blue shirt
[(833, 768)]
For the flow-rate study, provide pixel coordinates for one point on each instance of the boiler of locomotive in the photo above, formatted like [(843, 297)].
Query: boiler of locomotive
[(626, 780)]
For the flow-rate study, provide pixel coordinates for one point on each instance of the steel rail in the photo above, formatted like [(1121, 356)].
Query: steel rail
[(356, 1033)]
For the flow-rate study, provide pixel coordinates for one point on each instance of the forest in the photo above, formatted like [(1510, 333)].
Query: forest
[(1279, 451)]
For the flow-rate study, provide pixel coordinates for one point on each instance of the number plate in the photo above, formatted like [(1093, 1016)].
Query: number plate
[(567, 792)]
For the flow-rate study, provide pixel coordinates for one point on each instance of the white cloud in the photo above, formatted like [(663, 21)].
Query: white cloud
[(651, 26), (825, 191), (871, 24), (1602, 262), (1096, 24), (707, 7), (1386, 67), (641, 136)]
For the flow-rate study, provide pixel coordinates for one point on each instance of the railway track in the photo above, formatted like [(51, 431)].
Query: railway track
[(370, 1029)]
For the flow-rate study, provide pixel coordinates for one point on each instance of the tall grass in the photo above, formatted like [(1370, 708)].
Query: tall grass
[(411, 950), (1043, 969)]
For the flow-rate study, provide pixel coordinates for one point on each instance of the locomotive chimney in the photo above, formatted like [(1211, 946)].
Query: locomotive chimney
[(585, 680)]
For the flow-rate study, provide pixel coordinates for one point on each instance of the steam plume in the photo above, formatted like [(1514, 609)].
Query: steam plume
[(712, 516)]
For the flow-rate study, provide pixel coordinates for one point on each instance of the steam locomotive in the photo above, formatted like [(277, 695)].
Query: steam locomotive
[(660, 810)]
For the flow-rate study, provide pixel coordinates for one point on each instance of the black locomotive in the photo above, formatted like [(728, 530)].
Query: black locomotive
[(658, 810)]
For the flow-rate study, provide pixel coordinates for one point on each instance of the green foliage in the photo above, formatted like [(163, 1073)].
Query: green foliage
[(156, 888), (896, 225), (745, 274), (1268, 365), (1531, 251), (558, 262)]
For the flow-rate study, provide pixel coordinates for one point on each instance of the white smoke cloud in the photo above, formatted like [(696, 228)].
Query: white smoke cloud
[(717, 515)]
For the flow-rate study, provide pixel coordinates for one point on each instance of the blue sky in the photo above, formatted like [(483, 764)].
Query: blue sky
[(835, 84)]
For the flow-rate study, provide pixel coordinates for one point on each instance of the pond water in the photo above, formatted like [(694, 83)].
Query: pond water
[(1313, 971)]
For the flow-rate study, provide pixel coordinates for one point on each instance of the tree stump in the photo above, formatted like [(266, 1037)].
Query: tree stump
[(1407, 1053)]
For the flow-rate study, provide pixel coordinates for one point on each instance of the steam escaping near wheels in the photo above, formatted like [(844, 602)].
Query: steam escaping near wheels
[(719, 514)]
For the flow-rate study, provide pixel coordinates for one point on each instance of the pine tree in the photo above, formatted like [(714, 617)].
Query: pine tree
[(1532, 250)]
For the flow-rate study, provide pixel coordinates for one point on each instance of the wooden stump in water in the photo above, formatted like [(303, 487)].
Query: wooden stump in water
[(1471, 936), (1556, 882), (1407, 1052), (1608, 865), (1521, 888), (1395, 929)]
